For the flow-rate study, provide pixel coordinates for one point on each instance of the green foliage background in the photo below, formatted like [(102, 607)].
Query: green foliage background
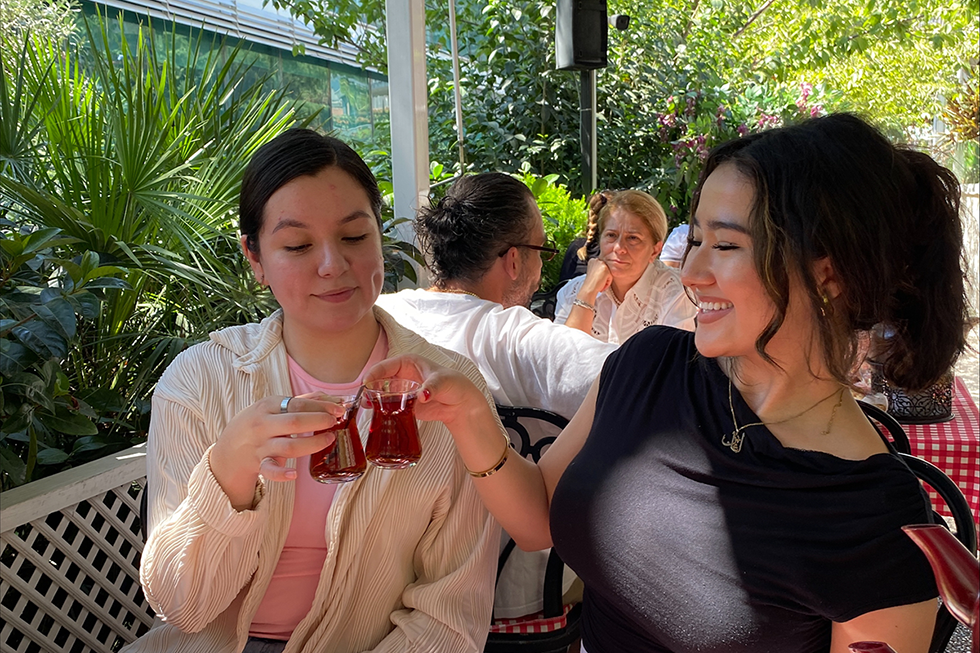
[(686, 75), (121, 156)]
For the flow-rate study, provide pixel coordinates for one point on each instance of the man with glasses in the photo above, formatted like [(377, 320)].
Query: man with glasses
[(485, 244)]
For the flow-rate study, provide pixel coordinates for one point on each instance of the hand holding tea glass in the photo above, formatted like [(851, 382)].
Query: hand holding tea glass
[(260, 438), (448, 396), (393, 438), (442, 395), (343, 459)]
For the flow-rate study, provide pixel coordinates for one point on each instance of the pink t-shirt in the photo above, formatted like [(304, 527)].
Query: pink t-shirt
[(290, 593)]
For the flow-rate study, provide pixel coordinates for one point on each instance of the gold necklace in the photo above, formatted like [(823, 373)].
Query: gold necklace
[(455, 291), (737, 436)]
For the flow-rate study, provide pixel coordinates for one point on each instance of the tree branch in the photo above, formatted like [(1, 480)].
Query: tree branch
[(765, 5)]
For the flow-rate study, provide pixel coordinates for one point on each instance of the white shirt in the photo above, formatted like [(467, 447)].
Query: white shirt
[(675, 245), (656, 298), (526, 360)]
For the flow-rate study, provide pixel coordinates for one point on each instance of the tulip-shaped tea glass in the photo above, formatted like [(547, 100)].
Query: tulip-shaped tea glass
[(393, 437), (343, 460)]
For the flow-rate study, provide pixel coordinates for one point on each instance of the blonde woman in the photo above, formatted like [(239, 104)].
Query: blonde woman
[(627, 288)]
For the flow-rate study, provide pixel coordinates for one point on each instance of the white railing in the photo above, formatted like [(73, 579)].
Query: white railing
[(70, 550)]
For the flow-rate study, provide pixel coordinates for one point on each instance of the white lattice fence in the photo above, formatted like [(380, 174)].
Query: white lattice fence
[(69, 559)]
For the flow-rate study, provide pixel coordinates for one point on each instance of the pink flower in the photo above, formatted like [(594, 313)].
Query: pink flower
[(767, 120), (816, 110), (742, 129)]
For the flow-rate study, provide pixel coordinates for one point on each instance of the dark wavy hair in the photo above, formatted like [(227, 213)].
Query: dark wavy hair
[(887, 218), (480, 217), (295, 153)]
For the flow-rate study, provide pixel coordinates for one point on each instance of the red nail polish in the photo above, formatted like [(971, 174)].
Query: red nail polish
[(426, 394)]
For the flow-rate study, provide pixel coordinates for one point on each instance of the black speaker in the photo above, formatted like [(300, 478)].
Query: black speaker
[(581, 34)]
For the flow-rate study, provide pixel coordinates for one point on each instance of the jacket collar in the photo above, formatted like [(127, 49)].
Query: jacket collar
[(253, 343)]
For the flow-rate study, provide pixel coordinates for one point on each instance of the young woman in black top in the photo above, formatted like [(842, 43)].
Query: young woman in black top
[(722, 491)]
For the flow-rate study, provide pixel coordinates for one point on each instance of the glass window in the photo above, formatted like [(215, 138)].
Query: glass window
[(350, 105)]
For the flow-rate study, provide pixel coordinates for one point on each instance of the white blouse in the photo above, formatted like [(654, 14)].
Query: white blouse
[(657, 297)]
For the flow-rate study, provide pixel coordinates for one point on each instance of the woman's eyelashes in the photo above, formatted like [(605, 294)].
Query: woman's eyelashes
[(721, 246), (346, 239)]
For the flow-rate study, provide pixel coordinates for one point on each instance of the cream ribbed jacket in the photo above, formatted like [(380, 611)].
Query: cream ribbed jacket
[(412, 553)]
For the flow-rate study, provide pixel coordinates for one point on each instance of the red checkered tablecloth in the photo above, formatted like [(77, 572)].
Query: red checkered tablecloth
[(533, 623), (953, 447)]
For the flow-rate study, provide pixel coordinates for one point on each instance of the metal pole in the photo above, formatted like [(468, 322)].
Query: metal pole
[(588, 104), (409, 104), (456, 89)]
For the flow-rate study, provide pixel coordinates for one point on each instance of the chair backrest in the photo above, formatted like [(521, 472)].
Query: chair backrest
[(965, 532), (899, 438), (521, 420), (947, 490), (543, 304)]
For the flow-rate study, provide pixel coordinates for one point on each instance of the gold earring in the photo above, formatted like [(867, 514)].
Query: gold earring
[(826, 304)]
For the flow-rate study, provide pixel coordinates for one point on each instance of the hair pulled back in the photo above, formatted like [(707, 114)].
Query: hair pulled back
[(296, 153), (596, 202), (886, 217), (480, 217)]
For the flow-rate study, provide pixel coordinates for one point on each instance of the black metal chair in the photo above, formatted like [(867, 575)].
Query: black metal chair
[(560, 623), (896, 433), (947, 490), (543, 304), (965, 532)]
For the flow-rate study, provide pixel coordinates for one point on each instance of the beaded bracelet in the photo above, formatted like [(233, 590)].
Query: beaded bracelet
[(583, 304), (496, 468)]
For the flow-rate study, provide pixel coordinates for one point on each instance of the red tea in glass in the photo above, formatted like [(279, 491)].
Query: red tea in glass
[(393, 437), (343, 459)]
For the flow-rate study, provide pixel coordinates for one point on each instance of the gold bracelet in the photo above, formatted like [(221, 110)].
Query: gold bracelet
[(496, 468)]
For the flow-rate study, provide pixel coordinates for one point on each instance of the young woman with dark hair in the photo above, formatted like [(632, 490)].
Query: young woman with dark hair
[(246, 551), (721, 491)]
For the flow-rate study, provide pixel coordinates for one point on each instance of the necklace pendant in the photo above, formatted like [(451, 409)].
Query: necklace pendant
[(734, 440)]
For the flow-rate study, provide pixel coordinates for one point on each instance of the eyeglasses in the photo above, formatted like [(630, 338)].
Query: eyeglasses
[(547, 251)]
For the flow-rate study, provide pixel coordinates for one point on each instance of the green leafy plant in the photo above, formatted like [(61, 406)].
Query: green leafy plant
[(564, 218), (743, 62), (131, 147), (46, 304)]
